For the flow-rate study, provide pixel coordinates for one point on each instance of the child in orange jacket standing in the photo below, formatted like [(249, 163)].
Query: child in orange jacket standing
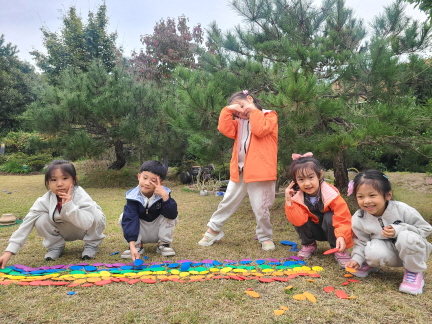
[(316, 209), (253, 167)]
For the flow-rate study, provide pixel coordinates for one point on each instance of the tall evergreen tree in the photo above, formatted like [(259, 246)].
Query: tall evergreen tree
[(95, 110), (16, 81), (77, 44)]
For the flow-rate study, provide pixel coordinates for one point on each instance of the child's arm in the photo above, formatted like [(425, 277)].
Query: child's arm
[(134, 252), (169, 206), (411, 220), (360, 241), (4, 259), (130, 222), (19, 237), (227, 125), (81, 209), (342, 220), (263, 124)]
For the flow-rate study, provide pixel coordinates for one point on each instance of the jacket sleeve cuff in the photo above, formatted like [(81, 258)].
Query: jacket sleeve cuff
[(13, 247), (358, 259)]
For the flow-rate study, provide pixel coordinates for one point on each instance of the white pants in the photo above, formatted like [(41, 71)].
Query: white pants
[(261, 195), (161, 230), (55, 234), (410, 251)]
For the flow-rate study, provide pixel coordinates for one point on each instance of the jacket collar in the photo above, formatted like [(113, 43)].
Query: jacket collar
[(135, 194), (328, 194)]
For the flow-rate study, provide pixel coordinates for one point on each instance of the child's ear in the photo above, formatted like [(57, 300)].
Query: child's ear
[(138, 176), (321, 175), (389, 196)]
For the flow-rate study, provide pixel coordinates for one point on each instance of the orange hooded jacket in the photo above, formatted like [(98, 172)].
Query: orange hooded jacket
[(298, 214), (261, 156)]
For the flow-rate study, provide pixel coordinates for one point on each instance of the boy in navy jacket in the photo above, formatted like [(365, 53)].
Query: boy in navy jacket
[(150, 214)]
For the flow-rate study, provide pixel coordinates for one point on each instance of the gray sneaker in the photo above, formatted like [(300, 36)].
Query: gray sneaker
[(54, 253), (165, 250), (89, 252)]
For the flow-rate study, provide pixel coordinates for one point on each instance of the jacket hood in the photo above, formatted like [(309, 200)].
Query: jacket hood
[(135, 194)]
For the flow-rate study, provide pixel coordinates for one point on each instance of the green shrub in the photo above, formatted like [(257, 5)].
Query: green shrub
[(95, 174), (13, 166)]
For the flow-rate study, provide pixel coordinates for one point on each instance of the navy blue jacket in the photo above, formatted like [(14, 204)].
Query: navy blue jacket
[(134, 210)]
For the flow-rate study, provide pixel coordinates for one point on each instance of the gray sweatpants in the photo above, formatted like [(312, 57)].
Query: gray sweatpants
[(161, 230), (261, 195), (410, 251), (55, 234)]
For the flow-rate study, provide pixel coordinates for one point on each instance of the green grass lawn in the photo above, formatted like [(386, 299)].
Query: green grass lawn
[(217, 301)]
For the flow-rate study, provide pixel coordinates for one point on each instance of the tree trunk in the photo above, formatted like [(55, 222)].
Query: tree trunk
[(120, 161), (165, 161), (340, 173)]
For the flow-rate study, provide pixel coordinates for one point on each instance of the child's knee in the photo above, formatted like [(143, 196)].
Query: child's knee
[(411, 242), (376, 253)]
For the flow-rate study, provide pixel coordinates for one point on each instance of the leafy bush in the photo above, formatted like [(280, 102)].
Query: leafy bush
[(13, 166), (95, 174), (14, 163)]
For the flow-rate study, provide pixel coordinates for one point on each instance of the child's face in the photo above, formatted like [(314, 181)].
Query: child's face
[(145, 181), (246, 105), (60, 182), (371, 200), (308, 181)]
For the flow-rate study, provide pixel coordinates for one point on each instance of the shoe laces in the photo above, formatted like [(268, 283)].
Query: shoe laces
[(410, 276)]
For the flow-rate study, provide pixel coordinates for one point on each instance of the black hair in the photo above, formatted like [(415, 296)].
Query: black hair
[(374, 178), (242, 95), (154, 167), (302, 164), (66, 167)]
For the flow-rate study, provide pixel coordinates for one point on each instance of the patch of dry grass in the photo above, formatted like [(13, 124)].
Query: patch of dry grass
[(378, 299)]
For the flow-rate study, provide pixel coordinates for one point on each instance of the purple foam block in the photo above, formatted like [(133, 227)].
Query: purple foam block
[(272, 260), (184, 261), (295, 258), (118, 264), (97, 264), (82, 264), (207, 261)]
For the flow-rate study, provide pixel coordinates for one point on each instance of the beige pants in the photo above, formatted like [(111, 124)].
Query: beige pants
[(161, 230), (261, 195)]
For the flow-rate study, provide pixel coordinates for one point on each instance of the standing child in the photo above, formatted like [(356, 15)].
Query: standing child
[(150, 214), (316, 209), (253, 166), (387, 232), (65, 213)]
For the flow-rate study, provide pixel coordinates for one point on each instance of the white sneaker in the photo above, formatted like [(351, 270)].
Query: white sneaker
[(127, 254), (209, 238), (165, 250)]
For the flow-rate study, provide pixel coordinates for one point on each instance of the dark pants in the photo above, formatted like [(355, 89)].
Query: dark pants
[(324, 231)]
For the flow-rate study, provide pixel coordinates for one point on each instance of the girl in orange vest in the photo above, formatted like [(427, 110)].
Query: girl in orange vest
[(253, 167), (316, 209)]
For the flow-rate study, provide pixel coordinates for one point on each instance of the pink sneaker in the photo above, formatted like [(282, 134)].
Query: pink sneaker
[(307, 251), (342, 258), (364, 270), (412, 283)]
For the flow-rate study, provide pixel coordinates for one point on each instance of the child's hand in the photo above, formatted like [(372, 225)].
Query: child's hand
[(66, 196), (239, 111), (4, 259), (340, 244), (134, 253), (159, 190), (388, 231), (289, 192), (352, 264)]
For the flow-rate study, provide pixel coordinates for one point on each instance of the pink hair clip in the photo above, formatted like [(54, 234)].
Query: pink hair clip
[(245, 92), (296, 156), (350, 188)]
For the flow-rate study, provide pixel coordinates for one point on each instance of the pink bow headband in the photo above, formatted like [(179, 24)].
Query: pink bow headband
[(296, 156)]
